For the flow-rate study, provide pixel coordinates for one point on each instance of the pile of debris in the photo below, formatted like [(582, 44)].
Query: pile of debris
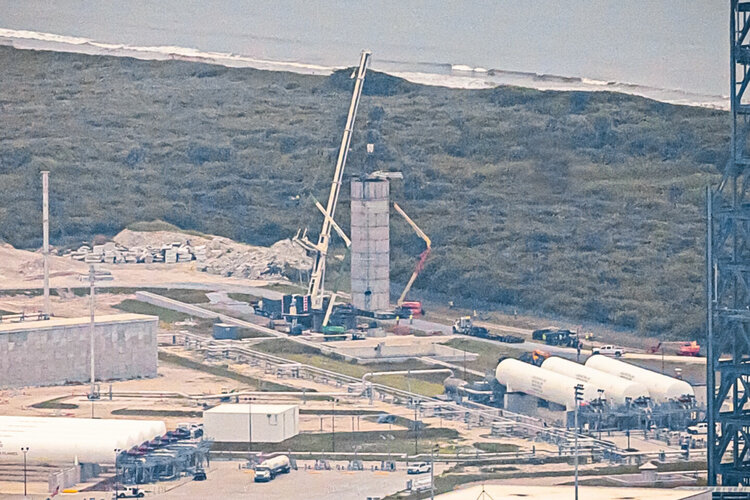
[(212, 254), (114, 253)]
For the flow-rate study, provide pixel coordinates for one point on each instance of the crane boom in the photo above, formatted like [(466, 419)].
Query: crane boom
[(413, 225), (317, 277), (422, 257)]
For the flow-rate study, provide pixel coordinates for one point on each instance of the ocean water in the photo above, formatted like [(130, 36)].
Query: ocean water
[(671, 50)]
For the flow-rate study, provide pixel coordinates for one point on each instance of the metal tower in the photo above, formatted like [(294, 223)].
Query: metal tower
[(728, 281)]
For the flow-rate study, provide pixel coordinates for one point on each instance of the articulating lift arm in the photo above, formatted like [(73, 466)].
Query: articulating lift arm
[(422, 257), (317, 277)]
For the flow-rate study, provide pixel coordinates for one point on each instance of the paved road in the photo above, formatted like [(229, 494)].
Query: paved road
[(227, 481)]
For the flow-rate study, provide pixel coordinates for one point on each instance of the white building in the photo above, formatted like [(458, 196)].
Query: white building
[(54, 440), (269, 423)]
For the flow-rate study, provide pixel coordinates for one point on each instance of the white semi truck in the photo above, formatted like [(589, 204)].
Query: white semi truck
[(269, 469)]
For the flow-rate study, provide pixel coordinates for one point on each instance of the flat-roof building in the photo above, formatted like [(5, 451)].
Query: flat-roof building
[(231, 423), (57, 351)]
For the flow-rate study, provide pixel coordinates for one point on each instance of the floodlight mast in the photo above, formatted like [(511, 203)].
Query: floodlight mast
[(317, 277)]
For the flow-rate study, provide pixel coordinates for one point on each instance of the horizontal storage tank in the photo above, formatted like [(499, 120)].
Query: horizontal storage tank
[(518, 376), (660, 387), (616, 390)]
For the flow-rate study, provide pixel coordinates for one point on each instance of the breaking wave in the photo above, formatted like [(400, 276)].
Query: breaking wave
[(458, 76)]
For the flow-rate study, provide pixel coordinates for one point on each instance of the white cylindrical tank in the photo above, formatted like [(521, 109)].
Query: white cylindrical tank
[(518, 376), (661, 388), (616, 390)]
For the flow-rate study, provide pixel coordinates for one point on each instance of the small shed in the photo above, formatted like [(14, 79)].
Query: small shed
[(648, 472), (223, 331)]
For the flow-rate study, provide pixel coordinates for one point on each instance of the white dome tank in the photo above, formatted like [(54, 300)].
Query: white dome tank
[(616, 390), (660, 387)]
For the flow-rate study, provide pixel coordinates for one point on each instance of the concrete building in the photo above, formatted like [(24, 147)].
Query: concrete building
[(370, 249), (56, 351), (232, 423)]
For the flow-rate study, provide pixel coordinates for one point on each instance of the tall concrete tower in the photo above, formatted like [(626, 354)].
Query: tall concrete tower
[(370, 250)]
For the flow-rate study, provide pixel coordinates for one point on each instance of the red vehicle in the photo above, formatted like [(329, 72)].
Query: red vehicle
[(689, 349), (412, 307)]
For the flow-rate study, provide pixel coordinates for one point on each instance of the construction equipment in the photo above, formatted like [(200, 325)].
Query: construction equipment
[(556, 336), (536, 357), (413, 306), (465, 326), (689, 349), (316, 288)]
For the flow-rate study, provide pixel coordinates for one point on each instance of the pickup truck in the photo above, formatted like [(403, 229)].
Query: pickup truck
[(699, 428), (609, 350), (418, 468)]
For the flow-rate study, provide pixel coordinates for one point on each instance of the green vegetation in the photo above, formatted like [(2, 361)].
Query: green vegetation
[(3, 312), (491, 447), (145, 412), (138, 307), (55, 404), (586, 206), (488, 353), (396, 441), (425, 384), (187, 295), (242, 297)]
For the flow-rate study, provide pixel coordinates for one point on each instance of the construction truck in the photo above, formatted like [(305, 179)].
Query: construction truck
[(556, 336), (689, 349), (465, 326), (413, 308)]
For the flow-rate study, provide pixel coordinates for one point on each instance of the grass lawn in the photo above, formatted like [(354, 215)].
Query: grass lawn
[(426, 384), (488, 352), (165, 315), (395, 441)]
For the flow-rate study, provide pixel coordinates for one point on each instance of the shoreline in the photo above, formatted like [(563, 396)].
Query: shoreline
[(440, 75)]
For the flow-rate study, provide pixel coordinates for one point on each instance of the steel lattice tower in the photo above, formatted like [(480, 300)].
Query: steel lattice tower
[(728, 281)]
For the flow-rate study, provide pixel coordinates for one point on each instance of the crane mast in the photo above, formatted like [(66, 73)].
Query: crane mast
[(317, 277)]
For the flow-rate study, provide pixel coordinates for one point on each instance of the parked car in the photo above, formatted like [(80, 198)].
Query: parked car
[(418, 468), (609, 350), (699, 428)]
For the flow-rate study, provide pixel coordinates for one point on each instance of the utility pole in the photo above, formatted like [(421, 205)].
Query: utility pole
[(578, 397), (333, 425), (416, 429), (25, 450), (92, 307), (117, 453), (45, 230), (432, 472), (249, 429)]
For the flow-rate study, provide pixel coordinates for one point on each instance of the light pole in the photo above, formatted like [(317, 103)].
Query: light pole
[(25, 450), (416, 428), (249, 430), (333, 425), (432, 471), (578, 398), (117, 454)]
